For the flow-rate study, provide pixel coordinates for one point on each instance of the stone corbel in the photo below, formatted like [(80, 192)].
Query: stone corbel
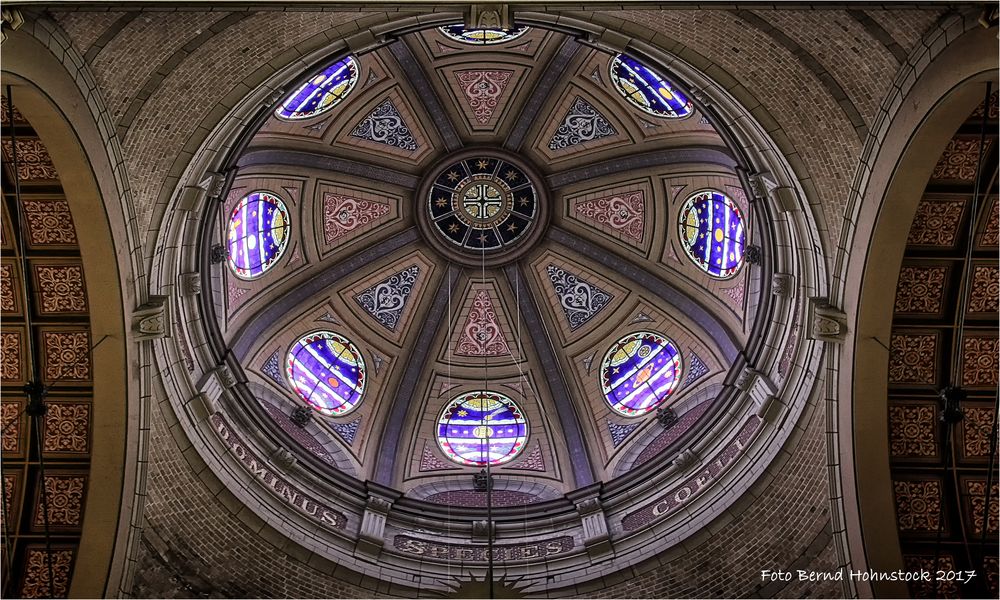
[(826, 323), (781, 284), (225, 376), (283, 458), (11, 19), (190, 283), (769, 409), (371, 536), (702, 98), (489, 16), (685, 459), (596, 537), (747, 378), (481, 530), (761, 185), (150, 321)]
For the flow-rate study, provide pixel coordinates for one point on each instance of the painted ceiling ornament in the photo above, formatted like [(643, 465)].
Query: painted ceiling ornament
[(482, 427), (582, 123), (482, 90), (322, 92), (343, 214), (482, 335), (386, 299), (639, 372), (272, 368), (619, 433), (258, 234), (386, 126), (624, 213), (328, 372), (647, 90), (696, 370), (484, 36), (713, 233), (579, 299)]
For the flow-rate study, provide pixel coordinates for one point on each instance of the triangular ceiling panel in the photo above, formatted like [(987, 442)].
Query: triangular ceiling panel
[(620, 213), (483, 93), (481, 329), (579, 299), (386, 300)]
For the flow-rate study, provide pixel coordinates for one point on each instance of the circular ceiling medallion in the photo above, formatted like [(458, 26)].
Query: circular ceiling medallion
[(482, 207)]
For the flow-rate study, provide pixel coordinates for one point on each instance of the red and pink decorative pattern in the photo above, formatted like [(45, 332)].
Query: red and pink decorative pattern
[(477, 499), (430, 462), (482, 335), (482, 90), (623, 213), (533, 461), (343, 215)]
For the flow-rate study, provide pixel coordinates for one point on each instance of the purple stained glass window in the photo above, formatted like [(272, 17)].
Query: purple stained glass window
[(713, 233), (259, 229), (322, 92), (648, 90), (639, 372), (460, 33), (328, 372), (480, 428)]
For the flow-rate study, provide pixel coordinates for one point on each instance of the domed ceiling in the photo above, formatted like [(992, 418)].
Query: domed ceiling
[(457, 251)]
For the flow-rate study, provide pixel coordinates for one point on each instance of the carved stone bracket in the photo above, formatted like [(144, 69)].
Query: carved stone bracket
[(746, 379), (371, 537), (761, 185), (190, 283), (754, 255), (596, 537), (702, 98), (283, 458), (225, 376), (481, 530), (781, 284), (150, 320), (213, 184), (764, 187), (685, 459), (826, 323), (217, 254), (769, 409)]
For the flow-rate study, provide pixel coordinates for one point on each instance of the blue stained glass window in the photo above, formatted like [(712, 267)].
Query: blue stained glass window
[(459, 33), (259, 229), (647, 90), (328, 372), (480, 428), (639, 372), (713, 233), (322, 92)]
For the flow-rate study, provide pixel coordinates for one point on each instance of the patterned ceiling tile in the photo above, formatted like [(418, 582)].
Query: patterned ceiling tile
[(272, 368), (920, 289), (936, 222), (430, 462), (67, 427), (622, 215), (991, 565), (931, 589), (991, 233), (386, 126), (49, 223), (985, 289), (913, 358), (482, 334), (14, 421), (918, 505), (994, 112), (11, 492), (347, 431), (532, 461), (5, 107), (61, 288), (979, 361), (579, 299), (65, 355), (696, 368), (976, 491), (977, 427), (346, 216), (9, 289), (619, 433), (582, 123), (482, 90), (11, 365), (38, 562), (34, 162), (958, 162), (65, 494), (913, 431), (386, 300)]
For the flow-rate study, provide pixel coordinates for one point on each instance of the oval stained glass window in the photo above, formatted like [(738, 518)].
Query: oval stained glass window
[(480, 428), (639, 372), (259, 228), (459, 33), (713, 233), (647, 90), (328, 372), (322, 92)]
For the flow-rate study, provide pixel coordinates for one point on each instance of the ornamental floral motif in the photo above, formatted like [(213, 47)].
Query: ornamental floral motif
[(10, 356), (911, 431), (33, 160), (912, 358), (61, 288), (991, 234), (624, 214), (532, 461), (347, 431), (582, 123), (936, 223), (977, 427), (7, 289), (579, 299), (482, 335), (918, 505), (430, 462), (482, 90), (38, 563), (67, 427), (385, 126), (920, 289), (985, 289), (272, 368), (696, 369), (49, 222), (979, 361), (10, 415), (958, 162), (9, 488), (4, 107), (619, 433), (931, 589), (386, 300), (976, 490), (67, 355), (65, 501), (344, 214)]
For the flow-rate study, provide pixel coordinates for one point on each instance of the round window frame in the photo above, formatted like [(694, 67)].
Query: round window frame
[(675, 387), (443, 30), (614, 78), (362, 367), (687, 251), (281, 250), (453, 401), (329, 107)]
